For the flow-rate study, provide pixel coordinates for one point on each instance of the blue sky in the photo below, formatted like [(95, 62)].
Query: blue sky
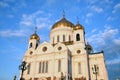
[(18, 18)]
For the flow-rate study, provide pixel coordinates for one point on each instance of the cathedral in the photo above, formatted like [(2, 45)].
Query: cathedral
[(66, 57)]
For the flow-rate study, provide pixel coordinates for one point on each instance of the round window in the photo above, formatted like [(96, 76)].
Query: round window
[(44, 49), (31, 52), (78, 51), (59, 48)]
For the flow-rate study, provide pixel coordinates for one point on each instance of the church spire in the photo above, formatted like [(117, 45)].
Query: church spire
[(63, 14), (35, 29), (77, 20), (35, 36), (34, 40)]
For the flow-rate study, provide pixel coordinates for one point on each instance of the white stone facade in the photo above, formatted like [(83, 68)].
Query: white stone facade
[(66, 57)]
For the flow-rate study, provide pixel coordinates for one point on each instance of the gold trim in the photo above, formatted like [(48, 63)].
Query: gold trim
[(66, 43)]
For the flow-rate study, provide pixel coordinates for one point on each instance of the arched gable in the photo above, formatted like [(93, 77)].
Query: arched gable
[(45, 47), (59, 47)]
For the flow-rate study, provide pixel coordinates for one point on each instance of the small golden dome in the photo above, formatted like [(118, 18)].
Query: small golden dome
[(63, 22), (89, 47), (78, 26), (34, 36)]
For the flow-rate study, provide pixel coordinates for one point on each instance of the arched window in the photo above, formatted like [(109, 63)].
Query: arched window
[(77, 37), (28, 71), (30, 45), (40, 67), (63, 38), (57, 38), (69, 38), (36, 46), (43, 65), (59, 65), (46, 70), (79, 68)]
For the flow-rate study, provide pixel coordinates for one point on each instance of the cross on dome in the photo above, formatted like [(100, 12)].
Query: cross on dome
[(77, 20), (35, 29), (63, 14)]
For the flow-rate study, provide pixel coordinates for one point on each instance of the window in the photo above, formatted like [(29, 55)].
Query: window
[(59, 48), (43, 67), (69, 38), (77, 37), (44, 49), (31, 52), (79, 68), (30, 45), (78, 51), (40, 67), (28, 71), (59, 65), (95, 69), (46, 70), (63, 38), (36, 46), (69, 67), (57, 38)]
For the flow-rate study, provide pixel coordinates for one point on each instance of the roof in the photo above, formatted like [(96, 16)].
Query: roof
[(63, 23)]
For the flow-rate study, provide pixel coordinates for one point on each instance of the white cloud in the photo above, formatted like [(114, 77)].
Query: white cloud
[(86, 21), (50, 2), (41, 25), (10, 16), (108, 1), (116, 8), (35, 19), (117, 41), (93, 1), (89, 15), (113, 61), (9, 0), (94, 30), (28, 20), (79, 1), (108, 41), (42, 22), (109, 33), (96, 9), (101, 37), (4, 4), (99, 2), (9, 33), (110, 18), (27, 23)]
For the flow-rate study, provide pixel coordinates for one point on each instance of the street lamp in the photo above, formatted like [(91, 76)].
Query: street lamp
[(22, 67), (95, 69)]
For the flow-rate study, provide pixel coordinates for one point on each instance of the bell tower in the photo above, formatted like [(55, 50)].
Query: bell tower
[(79, 34), (34, 40)]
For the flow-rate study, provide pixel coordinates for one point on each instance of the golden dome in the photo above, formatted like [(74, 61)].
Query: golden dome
[(89, 47), (63, 22), (78, 26), (34, 36)]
